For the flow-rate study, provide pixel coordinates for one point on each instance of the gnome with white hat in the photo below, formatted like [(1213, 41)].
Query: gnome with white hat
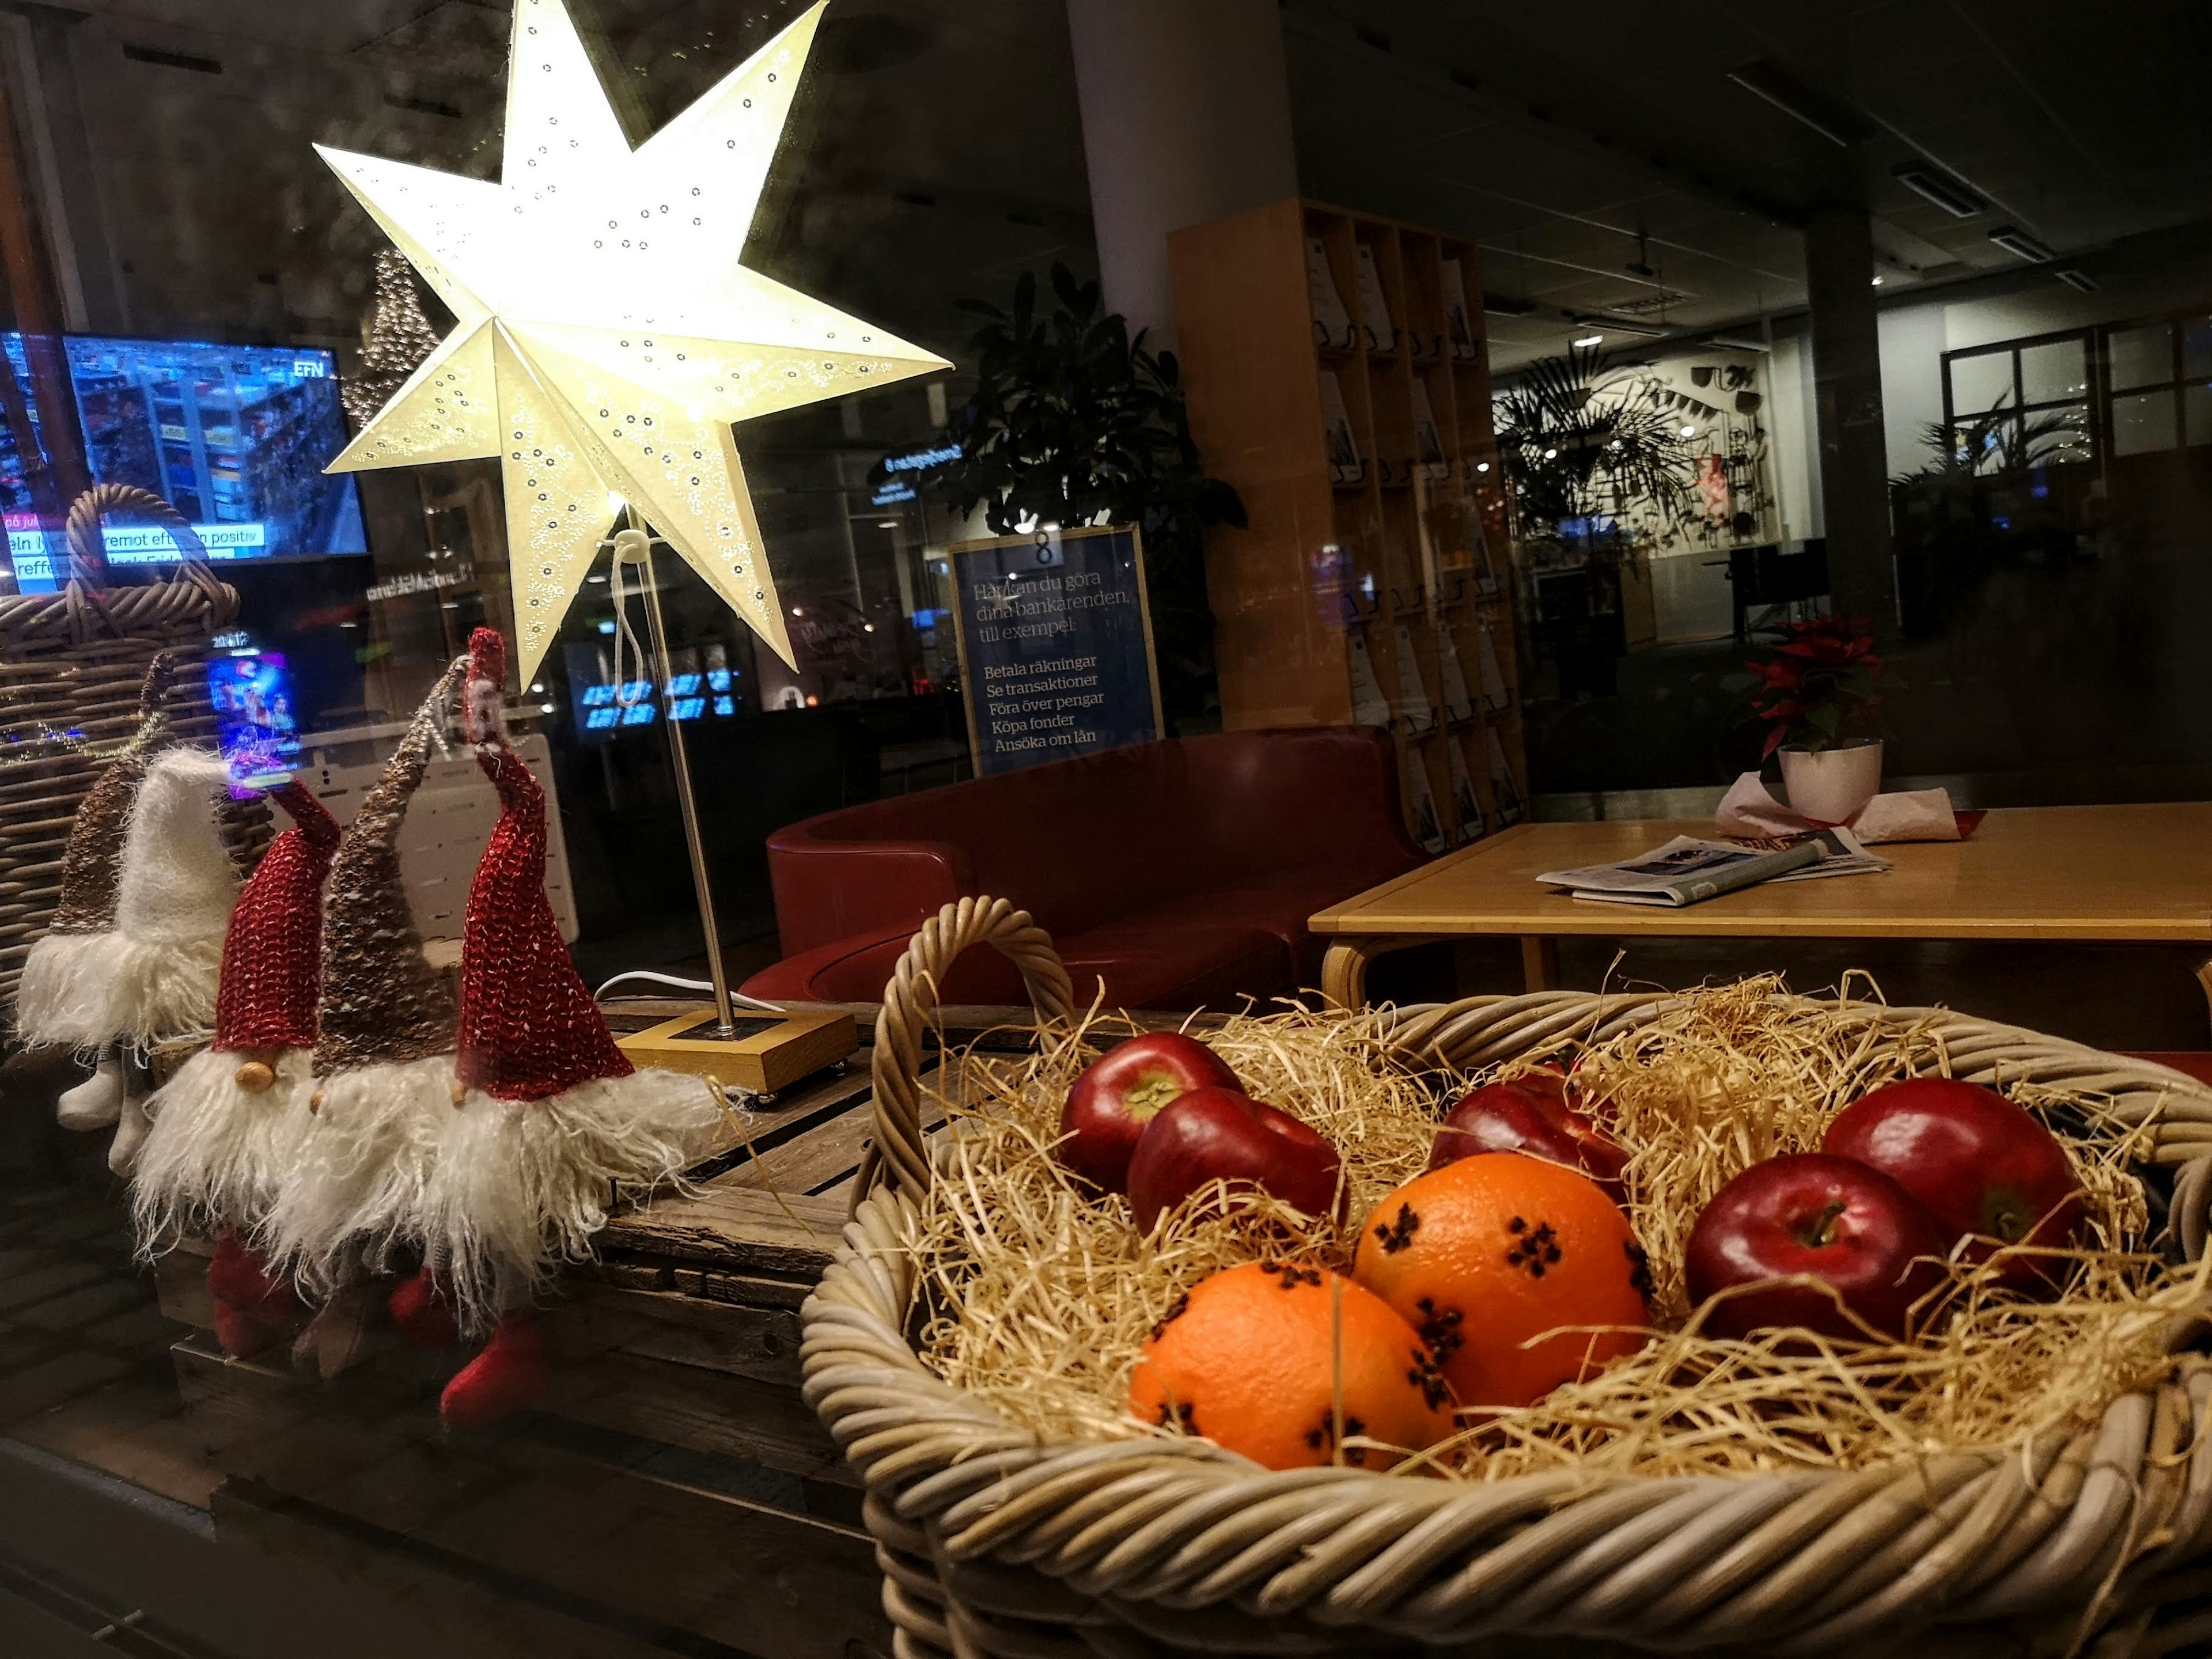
[(552, 1123), (381, 1084), (172, 903), (64, 995), (225, 1130)]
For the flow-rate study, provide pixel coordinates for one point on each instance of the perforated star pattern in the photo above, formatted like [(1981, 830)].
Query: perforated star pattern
[(606, 336)]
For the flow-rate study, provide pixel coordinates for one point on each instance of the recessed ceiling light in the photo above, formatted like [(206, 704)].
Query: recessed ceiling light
[(1948, 193), (1589, 340), (1689, 432), (1877, 282), (2078, 279), (2022, 246)]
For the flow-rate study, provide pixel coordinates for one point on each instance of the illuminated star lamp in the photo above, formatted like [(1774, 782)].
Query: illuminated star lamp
[(606, 336)]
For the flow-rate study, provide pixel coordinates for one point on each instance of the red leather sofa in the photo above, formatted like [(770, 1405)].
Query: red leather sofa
[(1180, 874)]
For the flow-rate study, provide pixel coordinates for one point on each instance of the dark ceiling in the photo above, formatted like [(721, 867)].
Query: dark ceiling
[(1558, 136), (1599, 151)]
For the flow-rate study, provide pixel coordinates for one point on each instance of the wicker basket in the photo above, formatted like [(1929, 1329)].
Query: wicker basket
[(70, 666), (993, 1542)]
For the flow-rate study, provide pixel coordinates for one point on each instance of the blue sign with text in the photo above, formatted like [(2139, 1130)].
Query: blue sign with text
[(1055, 646)]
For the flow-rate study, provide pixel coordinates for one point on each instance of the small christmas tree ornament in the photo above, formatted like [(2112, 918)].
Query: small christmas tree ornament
[(396, 339), (554, 1124), (382, 1070), (226, 1128), (68, 984)]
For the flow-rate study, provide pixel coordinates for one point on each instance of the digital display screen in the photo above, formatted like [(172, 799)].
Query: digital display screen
[(257, 727), (235, 438), (703, 686)]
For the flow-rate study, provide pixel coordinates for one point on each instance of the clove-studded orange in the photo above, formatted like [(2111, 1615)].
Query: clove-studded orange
[(1489, 1253), (1278, 1360)]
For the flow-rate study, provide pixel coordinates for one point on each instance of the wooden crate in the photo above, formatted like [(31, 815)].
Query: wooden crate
[(671, 1479)]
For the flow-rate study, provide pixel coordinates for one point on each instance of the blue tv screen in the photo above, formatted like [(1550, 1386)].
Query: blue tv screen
[(235, 438)]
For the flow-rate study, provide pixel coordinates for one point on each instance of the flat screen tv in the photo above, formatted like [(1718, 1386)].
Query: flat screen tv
[(235, 438)]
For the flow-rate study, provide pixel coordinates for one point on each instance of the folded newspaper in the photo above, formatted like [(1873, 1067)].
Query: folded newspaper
[(1687, 870)]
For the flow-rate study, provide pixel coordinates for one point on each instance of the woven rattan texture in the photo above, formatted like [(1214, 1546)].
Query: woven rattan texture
[(381, 1001), (993, 1543), (529, 1028), (71, 663), (272, 953)]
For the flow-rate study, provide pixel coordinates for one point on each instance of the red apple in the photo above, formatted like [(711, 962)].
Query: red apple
[(1112, 1101), (1530, 1114), (1978, 1165), (1807, 1212), (1223, 1134)]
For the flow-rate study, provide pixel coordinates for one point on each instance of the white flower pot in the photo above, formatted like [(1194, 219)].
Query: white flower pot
[(1831, 785)]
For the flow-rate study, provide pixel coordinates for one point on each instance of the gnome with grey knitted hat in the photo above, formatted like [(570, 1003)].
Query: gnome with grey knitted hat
[(66, 990)]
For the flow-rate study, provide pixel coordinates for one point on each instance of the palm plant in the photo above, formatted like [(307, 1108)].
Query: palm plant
[(1998, 439), (1580, 437)]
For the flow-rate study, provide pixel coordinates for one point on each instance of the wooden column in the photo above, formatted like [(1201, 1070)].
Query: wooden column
[(59, 476)]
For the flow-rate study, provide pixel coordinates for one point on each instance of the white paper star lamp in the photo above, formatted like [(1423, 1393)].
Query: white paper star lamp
[(605, 335)]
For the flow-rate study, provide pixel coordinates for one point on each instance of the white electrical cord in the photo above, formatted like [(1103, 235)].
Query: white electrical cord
[(736, 997)]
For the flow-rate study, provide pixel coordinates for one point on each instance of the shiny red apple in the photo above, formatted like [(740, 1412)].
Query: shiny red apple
[(1223, 1134), (1124, 1091), (1979, 1165), (1530, 1114), (1807, 1212)]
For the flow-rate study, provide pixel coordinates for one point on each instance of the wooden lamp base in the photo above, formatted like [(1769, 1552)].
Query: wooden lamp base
[(767, 1053)]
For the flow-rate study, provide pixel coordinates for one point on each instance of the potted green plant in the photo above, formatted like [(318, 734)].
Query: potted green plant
[(1074, 422), (1818, 688)]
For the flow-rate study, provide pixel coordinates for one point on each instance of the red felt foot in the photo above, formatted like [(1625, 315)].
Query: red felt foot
[(507, 1377), (423, 1313), (243, 1333), (238, 1276)]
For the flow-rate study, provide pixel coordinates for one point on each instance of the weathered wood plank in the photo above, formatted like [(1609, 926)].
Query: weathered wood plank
[(720, 1335), (790, 1236), (700, 1409)]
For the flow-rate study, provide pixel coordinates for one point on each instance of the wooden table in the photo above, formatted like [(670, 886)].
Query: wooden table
[(2117, 874)]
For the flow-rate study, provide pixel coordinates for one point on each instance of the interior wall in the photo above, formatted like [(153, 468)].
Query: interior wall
[(1794, 424)]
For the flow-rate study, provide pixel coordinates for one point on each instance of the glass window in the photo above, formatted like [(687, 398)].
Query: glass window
[(1978, 382), (2054, 372), (2196, 413), (2143, 424), (2056, 436), (2141, 357), (2197, 347)]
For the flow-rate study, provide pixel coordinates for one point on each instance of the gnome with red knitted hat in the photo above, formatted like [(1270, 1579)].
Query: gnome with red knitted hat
[(225, 1130), (382, 1069), (553, 1124)]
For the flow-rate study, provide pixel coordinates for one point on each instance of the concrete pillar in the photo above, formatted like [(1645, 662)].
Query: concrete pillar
[(1847, 393), (1186, 117)]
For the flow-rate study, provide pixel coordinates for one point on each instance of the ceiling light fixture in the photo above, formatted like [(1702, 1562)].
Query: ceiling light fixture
[(1689, 432), (1736, 343), (2022, 246), (1939, 188), (2074, 278), (1590, 340), (1507, 305), (1877, 282)]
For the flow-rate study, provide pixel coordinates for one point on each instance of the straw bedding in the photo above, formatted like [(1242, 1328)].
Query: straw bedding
[(1037, 1295)]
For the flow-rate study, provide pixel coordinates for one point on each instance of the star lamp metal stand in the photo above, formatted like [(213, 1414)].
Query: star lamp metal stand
[(763, 1051)]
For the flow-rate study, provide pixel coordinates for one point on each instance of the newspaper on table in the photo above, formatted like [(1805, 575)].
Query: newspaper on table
[(1687, 869)]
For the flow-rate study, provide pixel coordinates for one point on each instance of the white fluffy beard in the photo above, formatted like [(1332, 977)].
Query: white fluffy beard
[(82, 990), (519, 1186), (215, 1154), (361, 1170)]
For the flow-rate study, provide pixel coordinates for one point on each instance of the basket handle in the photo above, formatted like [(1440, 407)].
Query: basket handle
[(897, 1156), (88, 556)]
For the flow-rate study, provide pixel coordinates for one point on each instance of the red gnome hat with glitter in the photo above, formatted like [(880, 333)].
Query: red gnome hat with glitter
[(529, 1028), (272, 955)]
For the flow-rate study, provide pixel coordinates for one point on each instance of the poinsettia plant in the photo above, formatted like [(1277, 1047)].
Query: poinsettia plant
[(1818, 684)]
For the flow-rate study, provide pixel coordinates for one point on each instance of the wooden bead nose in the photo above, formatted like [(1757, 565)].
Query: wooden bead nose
[(255, 1077)]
